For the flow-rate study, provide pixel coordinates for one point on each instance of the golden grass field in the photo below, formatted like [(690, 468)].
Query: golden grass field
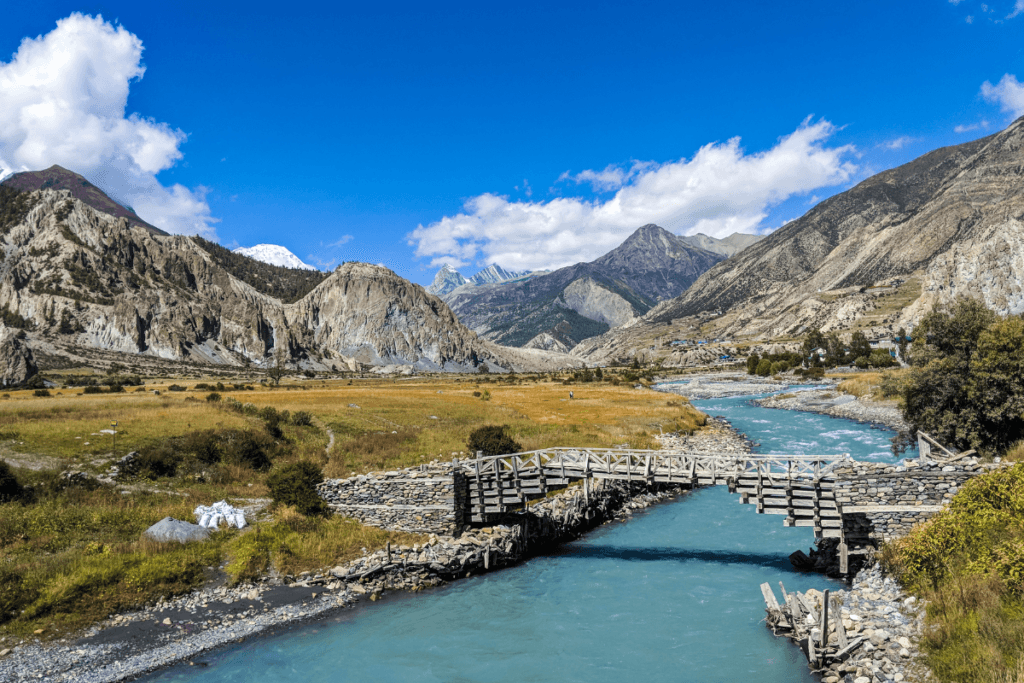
[(71, 556)]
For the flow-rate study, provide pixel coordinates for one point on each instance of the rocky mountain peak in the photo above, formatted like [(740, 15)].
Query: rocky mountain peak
[(60, 178), (275, 255), (446, 280)]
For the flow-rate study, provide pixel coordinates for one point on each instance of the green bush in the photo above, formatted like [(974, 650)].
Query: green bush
[(10, 489), (156, 462), (492, 440), (764, 367), (212, 397), (92, 390), (251, 449), (41, 392), (300, 418), (295, 485), (177, 387), (752, 361)]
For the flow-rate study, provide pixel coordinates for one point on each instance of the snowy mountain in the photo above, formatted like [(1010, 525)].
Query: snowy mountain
[(275, 255), (446, 280), (494, 274)]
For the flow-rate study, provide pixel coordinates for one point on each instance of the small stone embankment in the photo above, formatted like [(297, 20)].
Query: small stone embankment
[(836, 404), (872, 631)]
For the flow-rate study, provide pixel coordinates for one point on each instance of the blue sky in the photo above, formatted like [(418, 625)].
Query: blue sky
[(528, 134)]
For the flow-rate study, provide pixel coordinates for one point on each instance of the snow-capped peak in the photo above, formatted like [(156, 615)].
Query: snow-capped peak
[(275, 255)]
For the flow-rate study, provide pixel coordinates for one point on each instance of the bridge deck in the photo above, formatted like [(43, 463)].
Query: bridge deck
[(798, 486)]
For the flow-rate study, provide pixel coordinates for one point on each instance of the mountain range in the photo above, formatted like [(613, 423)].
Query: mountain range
[(74, 278), (559, 309), (873, 258)]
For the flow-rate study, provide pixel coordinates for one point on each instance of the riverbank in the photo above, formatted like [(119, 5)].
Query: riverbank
[(837, 404), (872, 639), (176, 631)]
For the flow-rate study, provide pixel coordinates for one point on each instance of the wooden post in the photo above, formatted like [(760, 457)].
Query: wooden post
[(389, 551), (841, 639), (844, 558), (487, 557), (824, 622)]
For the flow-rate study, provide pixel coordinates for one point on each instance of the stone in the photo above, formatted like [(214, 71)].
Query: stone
[(16, 362), (169, 529)]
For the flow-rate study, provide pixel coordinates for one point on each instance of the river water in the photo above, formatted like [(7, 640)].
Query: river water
[(671, 595)]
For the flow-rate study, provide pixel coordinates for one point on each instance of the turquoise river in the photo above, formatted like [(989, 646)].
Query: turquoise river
[(671, 595)]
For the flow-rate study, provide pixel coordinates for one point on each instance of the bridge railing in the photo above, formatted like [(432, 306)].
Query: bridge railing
[(629, 463)]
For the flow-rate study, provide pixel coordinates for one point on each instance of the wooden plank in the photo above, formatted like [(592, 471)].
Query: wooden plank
[(837, 617), (808, 607), (785, 595), (769, 597), (853, 645)]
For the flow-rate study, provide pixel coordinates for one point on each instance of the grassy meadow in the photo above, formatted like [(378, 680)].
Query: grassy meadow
[(71, 554)]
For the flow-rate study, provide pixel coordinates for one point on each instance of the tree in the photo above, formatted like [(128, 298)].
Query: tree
[(967, 377), (835, 350), (764, 367), (859, 346), (483, 369), (814, 340), (752, 361), (276, 373), (902, 341)]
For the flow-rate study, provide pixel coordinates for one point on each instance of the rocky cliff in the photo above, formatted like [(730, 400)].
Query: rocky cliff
[(73, 276), (726, 246)]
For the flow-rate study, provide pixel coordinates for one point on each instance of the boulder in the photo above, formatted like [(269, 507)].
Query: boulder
[(16, 363), (170, 529)]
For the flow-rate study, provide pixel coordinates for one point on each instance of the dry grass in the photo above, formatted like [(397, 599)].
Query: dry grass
[(74, 556)]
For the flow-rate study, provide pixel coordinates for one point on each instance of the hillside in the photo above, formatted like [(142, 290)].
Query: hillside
[(873, 258), (563, 307), (59, 178), (287, 284), (76, 279)]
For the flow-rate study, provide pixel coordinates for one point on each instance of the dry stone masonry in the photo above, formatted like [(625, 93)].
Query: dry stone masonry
[(428, 500), (881, 501)]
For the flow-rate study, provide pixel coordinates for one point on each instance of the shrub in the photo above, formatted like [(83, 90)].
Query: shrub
[(295, 485), (764, 367), (41, 392), (177, 387), (300, 418), (492, 440), (752, 361), (250, 449), (10, 489), (160, 461), (92, 390), (212, 397)]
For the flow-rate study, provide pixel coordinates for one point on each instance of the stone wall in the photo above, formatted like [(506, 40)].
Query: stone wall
[(883, 501), (418, 500)]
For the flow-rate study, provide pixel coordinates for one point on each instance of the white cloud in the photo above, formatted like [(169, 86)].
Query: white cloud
[(345, 239), (967, 128), (899, 143), (1008, 93), (1018, 8), (720, 190), (62, 101)]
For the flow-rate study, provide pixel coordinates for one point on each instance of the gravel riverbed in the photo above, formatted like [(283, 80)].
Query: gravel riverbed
[(837, 404)]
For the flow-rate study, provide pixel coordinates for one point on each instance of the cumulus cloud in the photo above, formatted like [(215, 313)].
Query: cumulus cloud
[(1008, 93), (63, 99), (720, 190), (1018, 8)]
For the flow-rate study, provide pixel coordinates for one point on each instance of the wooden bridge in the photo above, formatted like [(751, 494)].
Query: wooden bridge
[(797, 486)]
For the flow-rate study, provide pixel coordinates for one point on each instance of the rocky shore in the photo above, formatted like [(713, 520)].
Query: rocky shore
[(881, 625), (181, 629), (836, 404)]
